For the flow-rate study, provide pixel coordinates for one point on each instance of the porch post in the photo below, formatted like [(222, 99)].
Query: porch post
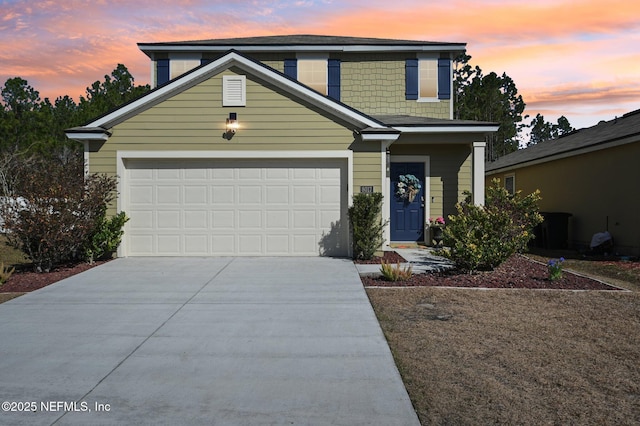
[(478, 172)]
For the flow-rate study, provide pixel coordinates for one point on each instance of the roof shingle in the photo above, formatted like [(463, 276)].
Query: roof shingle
[(603, 133)]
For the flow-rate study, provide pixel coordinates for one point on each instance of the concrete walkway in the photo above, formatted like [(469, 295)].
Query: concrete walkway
[(421, 260), (215, 341)]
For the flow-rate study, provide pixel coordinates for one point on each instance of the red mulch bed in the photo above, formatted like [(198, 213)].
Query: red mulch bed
[(26, 281), (516, 272)]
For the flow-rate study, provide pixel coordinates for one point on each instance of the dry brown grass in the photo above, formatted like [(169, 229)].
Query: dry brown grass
[(471, 357), (8, 296)]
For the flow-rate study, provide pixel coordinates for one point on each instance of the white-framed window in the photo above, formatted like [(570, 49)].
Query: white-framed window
[(428, 78), (180, 63), (510, 183), (313, 72), (180, 66)]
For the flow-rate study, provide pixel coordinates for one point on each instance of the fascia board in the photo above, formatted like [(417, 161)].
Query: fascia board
[(87, 136), (299, 48), (380, 137), (447, 129), (227, 61)]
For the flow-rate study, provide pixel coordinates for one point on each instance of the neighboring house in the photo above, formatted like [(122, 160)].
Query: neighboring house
[(256, 146), (592, 174)]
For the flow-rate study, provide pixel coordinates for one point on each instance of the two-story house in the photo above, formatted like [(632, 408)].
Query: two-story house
[(256, 146)]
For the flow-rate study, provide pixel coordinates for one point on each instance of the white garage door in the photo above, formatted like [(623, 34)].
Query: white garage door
[(235, 207)]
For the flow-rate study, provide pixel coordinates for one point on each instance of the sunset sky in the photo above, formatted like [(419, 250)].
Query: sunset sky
[(575, 58)]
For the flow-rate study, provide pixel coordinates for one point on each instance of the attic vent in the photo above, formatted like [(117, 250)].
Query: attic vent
[(234, 90)]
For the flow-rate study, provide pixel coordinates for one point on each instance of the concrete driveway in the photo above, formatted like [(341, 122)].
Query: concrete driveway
[(212, 341)]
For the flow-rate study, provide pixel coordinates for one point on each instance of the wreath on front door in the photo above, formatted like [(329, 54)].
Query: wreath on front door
[(408, 187)]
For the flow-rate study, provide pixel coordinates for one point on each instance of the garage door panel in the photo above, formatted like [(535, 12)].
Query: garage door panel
[(141, 244), (195, 194), (304, 219), (196, 245), (275, 173), (223, 219), (166, 173), (304, 173), (223, 244), (168, 219), (330, 194), (140, 219), (304, 194), (277, 219), (249, 194), (305, 244), (168, 194), (222, 194), (250, 173), (168, 244), (198, 171), (328, 218), (250, 245), (141, 195), (278, 244), (250, 219), (196, 219), (277, 194), (233, 207)]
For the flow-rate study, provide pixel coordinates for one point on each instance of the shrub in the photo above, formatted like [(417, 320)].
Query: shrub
[(366, 225), (482, 237), (5, 272), (106, 237), (60, 209), (395, 273)]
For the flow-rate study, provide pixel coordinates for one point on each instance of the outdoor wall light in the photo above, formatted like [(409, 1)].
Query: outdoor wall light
[(232, 126)]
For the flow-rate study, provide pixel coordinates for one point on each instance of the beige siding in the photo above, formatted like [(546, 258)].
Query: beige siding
[(371, 83), (367, 170), (195, 120), (592, 187), (375, 84), (450, 173)]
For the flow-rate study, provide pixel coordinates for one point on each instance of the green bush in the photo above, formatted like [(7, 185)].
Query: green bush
[(366, 225), (106, 237), (482, 237)]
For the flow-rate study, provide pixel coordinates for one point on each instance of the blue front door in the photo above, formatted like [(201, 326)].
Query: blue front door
[(407, 210)]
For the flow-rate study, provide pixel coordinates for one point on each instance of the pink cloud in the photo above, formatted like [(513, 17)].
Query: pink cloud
[(62, 47)]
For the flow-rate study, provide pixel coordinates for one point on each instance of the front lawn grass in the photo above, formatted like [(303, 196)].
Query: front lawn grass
[(470, 357)]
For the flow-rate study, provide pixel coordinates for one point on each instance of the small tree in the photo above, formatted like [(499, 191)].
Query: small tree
[(58, 209), (366, 224), (482, 237)]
